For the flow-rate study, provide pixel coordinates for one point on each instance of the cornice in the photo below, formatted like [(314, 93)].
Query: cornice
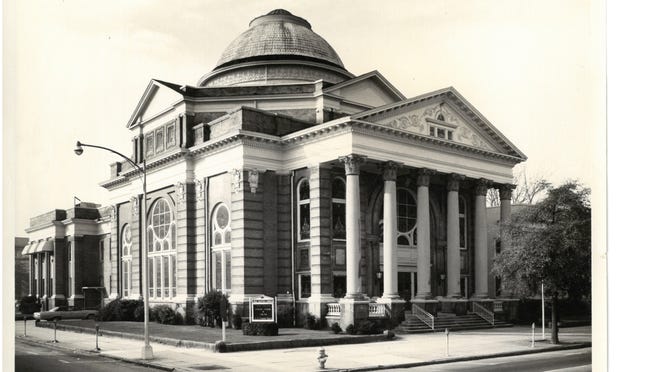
[(151, 164)]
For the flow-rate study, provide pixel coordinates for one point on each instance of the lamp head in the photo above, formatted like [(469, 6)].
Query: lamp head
[(78, 150)]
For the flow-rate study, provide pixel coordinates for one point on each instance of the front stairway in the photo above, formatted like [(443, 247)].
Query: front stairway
[(412, 324)]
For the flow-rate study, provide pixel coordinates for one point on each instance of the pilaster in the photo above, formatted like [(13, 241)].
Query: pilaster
[(320, 239)]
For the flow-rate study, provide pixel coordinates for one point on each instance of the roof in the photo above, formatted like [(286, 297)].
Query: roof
[(277, 35)]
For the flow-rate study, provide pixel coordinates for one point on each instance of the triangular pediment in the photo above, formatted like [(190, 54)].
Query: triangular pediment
[(370, 89), (444, 109), (158, 97)]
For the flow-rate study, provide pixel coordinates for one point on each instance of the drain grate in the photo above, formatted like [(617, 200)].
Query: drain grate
[(210, 367)]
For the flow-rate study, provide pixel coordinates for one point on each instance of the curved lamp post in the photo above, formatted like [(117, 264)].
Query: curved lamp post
[(147, 351)]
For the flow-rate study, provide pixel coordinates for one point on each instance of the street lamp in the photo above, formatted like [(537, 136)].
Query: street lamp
[(147, 351)]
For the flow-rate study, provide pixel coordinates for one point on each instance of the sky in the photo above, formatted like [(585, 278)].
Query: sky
[(75, 70)]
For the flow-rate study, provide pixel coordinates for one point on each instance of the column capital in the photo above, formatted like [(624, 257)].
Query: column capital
[(506, 190), (453, 181), (481, 187), (389, 170), (352, 163), (424, 176)]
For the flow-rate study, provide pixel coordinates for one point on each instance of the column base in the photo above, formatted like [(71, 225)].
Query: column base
[(147, 352), (353, 311), (428, 304), (317, 304), (397, 307)]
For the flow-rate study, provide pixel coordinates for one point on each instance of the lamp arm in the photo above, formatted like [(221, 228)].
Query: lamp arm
[(135, 165)]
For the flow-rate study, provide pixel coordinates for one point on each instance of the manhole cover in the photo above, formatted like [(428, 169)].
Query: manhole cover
[(210, 367)]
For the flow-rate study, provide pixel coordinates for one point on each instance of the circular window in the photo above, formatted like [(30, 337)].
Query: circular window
[(222, 217), (161, 218)]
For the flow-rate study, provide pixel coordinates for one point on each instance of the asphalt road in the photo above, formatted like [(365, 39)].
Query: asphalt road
[(33, 358), (566, 360)]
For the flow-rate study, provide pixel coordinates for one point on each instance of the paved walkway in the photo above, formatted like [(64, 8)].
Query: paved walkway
[(405, 350)]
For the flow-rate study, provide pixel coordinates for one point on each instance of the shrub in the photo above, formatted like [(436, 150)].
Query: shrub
[(164, 314), (367, 327), (312, 323), (335, 328), (389, 334), (260, 329), (212, 309), (350, 329), (123, 310), (29, 305), (236, 321)]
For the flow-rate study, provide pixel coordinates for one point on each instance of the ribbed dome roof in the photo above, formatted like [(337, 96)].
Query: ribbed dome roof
[(279, 35)]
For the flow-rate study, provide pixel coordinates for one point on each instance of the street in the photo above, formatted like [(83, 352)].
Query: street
[(33, 358), (566, 360)]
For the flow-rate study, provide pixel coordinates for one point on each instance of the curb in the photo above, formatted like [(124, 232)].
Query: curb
[(469, 358), (94, 352)]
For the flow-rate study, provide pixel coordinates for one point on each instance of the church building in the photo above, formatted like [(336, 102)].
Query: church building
[(281, 173)]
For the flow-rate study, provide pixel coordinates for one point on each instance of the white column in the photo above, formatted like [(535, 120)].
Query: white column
[(505, 211), (423, 235), (352, 166), (453, 231), (480, 240), (390, 264)]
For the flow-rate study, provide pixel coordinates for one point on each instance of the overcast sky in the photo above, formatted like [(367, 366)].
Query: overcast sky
[(75, 70)]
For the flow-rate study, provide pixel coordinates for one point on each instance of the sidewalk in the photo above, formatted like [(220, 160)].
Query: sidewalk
[(404, 351)]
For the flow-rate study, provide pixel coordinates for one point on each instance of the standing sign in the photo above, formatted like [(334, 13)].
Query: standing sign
[(263, 309)]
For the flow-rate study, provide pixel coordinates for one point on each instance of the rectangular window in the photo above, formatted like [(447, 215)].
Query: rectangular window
[(303, 264), (149, 146), (339, 221), (160, 140), (464, 263), (217, 269), (173, 269), (339, 286), (227, 271), (305, 286), (101, 250), (166, 276), (303, 221), (126, 277), (151, 276), (340, 257), (171, 136), (159, 272)]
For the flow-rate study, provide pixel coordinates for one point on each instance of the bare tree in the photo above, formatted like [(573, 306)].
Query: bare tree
[(527, 190)]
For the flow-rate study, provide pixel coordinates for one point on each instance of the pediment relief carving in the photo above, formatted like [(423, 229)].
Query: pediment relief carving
[(415, 121)]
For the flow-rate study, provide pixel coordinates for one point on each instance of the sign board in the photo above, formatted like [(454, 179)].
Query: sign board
[(263, 309)]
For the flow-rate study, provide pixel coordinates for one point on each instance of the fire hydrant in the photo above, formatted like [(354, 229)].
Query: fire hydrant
[(322, 358)]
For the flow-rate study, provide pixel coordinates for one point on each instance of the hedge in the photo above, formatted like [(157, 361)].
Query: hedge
[(260, 329)]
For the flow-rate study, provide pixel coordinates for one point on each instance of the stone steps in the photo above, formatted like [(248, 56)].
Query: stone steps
[(454, 323)]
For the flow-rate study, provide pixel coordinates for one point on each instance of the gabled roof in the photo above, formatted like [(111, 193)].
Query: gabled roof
[(148, 94), (372, 75), (470, 111)]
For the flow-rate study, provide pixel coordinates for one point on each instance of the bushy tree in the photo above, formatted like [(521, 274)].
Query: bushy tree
[(212, 309), (549, 242)]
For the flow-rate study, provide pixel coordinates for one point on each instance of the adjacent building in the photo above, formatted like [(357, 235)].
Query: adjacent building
[(281, 173)]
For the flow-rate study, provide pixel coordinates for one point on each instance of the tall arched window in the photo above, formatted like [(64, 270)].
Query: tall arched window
[(161, 231), (303, 210), (221, 248), (406, 217), (126, 257), (338, 209)]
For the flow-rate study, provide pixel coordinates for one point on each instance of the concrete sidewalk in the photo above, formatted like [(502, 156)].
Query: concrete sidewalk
[(404, 351)]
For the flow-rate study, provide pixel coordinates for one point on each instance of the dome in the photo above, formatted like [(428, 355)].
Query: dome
[(272, 39)]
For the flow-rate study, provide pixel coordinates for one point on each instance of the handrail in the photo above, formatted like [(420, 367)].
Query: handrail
[(424, 316), (484, 313), (377, 310)]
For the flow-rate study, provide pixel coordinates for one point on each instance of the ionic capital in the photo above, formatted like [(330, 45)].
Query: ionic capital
[(481, 187), (505, 191), (352, 163), (389, 170), (424, 177), (454, 181)]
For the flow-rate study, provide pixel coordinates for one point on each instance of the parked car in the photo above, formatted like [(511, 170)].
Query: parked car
[(58, 313)]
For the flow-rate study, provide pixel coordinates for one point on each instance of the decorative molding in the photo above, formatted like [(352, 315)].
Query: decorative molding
[(352, 163), (253, 180), (454, 181), (237, 180), (113, 213), (481, 187), (135, 205), (424, 177), (199, 190), (505, 191), (389, 170), (181, 191)]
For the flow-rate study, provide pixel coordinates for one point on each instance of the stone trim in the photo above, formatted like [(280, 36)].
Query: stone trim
[(352, 163), (481, 187), (453, 181)]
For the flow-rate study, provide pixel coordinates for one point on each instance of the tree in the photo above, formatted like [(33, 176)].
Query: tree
[(549, 242), (527, 190)]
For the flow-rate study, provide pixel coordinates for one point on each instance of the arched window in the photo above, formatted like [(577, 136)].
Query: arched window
[(441, 117), (338, 209), (303, 210), (221, 248), (126, 257), (161, 244), (406, 217)]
